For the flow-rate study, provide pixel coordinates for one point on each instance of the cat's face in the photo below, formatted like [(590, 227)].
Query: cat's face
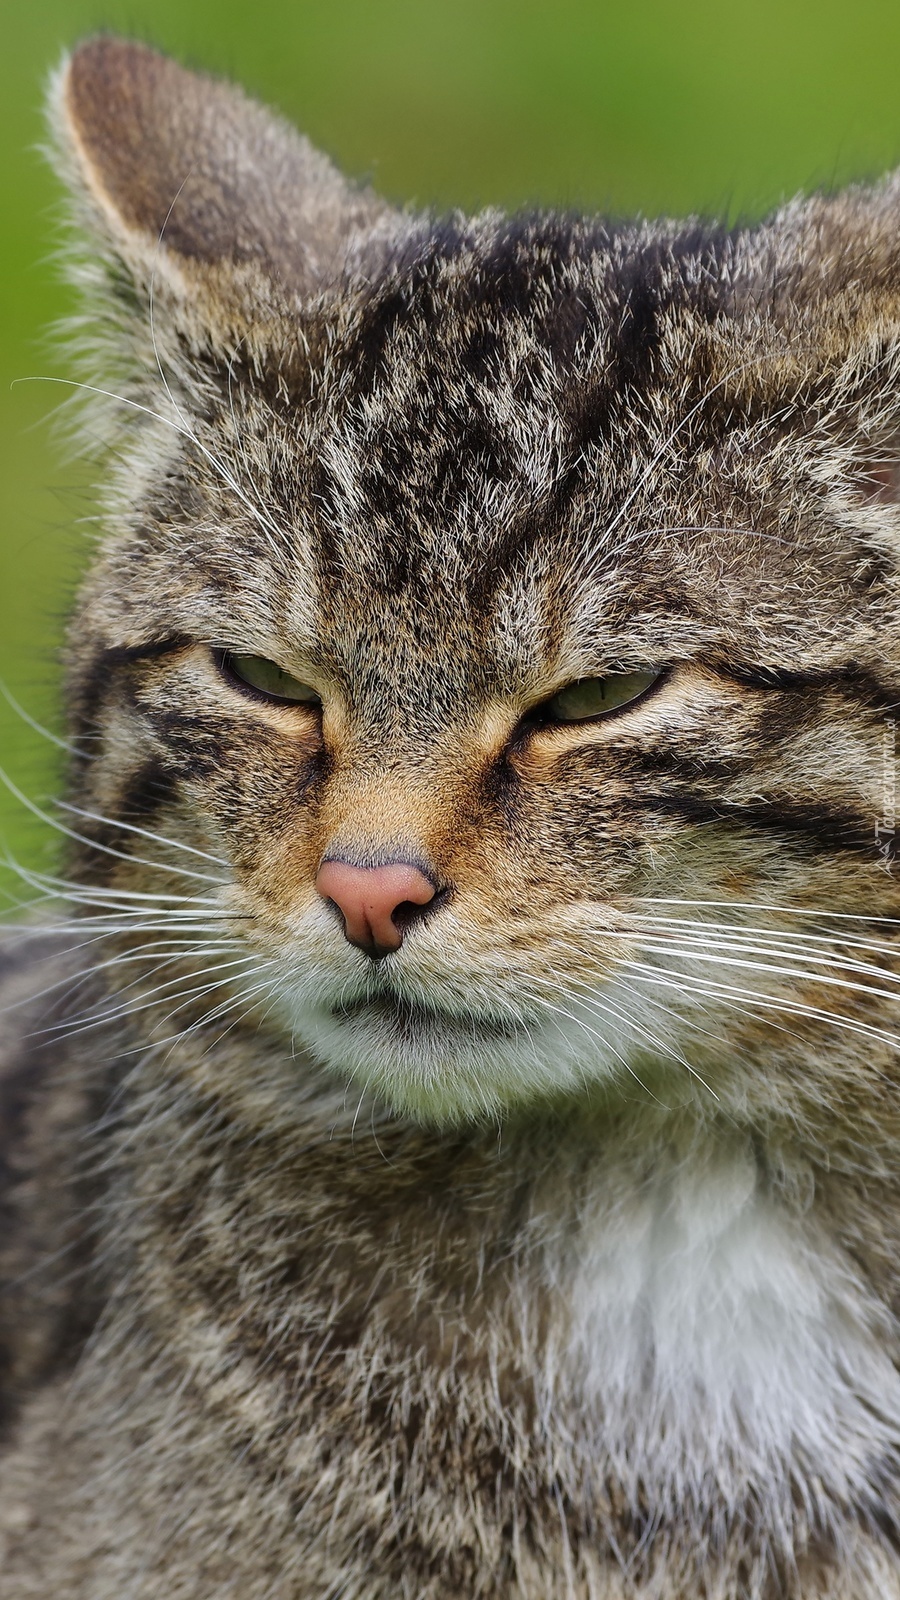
[(465, 468)]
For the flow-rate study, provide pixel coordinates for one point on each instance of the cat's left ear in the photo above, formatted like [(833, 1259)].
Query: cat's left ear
[(189, 186)]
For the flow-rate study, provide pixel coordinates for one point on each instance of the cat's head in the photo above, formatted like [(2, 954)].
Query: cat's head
[(505, 609)]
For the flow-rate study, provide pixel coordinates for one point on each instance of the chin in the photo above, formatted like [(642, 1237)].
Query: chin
[(440, 1068)]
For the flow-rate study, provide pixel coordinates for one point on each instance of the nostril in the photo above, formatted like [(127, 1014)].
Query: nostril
[(410, 911)]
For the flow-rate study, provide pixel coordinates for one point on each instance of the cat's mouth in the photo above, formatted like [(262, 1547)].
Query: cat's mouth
[(409, 1019)]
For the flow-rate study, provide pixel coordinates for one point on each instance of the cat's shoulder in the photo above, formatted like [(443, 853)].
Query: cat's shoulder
[(46, 1102), (24, 954), (25, 960), (44, 1088), (33, 974)]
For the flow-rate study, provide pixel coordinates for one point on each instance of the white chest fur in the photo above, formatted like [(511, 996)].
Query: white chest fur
[(712, 1335)]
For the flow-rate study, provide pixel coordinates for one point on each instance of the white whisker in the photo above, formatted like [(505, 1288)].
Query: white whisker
[(145, 833), (186, 433), (604, 1004), (178, 949), (711, 988), (696, 951), (64, 1031), (94, 844), (607, 1044), (36, 726), (764, 905), (100, 895), (842, 938), (587, 993)]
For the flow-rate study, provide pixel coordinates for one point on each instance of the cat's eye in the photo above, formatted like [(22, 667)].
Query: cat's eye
[(268, 679), (594, 697)]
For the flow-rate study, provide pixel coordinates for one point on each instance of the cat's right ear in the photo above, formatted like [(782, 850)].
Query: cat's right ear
[(205, 200)]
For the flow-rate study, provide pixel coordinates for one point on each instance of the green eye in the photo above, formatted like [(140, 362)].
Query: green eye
[(593, 697), (267, 678)]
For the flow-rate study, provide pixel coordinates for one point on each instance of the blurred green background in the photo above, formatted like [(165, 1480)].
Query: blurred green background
[(649, 106)]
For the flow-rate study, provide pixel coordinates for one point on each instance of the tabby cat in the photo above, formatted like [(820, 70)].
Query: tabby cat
[(451, 1127)]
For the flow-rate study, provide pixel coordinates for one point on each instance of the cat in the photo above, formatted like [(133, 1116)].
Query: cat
[(451, 1128)]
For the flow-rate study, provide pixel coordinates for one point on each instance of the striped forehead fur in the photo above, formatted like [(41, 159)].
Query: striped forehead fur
[(482, 415)]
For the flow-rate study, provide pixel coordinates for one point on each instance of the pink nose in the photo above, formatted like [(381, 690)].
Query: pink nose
[(369, 899)]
